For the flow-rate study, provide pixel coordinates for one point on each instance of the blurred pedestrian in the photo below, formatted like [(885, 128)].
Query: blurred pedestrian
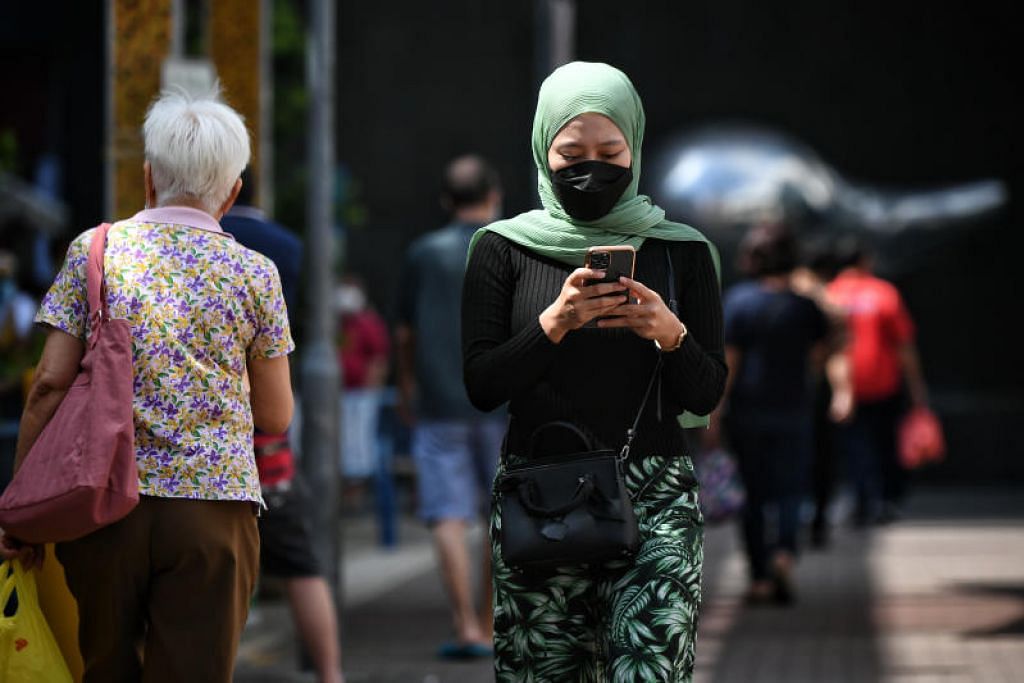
[(772, 337), (885, 372), (286, 536), (811, 278), (163, 594), (455, 447), (531, 338), (363, 355)]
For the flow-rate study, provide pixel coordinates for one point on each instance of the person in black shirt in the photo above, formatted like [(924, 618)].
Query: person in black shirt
[(530, 339), (286, 542), (773, 336)]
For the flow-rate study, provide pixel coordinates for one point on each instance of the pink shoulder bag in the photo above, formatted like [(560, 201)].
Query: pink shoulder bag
[(80, 475)]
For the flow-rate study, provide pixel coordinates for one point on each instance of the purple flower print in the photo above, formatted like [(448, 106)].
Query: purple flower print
[(220, 482), (200, 402), (151, 402), (169, 484), (190, 260)]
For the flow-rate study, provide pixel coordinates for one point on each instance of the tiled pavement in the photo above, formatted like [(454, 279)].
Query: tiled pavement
[(937, 597)]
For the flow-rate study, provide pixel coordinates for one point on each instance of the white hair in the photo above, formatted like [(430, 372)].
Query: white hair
[(197, 147)]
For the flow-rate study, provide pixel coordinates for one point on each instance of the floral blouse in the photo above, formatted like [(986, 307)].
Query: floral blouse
[(199, 304)]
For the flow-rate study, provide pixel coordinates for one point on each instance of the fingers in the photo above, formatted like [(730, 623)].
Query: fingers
[(643, 292), (586, 310), (579, 277), (641, 318), (602, 289)]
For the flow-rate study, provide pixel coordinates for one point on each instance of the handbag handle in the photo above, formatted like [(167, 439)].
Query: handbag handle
[(95, 279), (584, 490), (559, 424)]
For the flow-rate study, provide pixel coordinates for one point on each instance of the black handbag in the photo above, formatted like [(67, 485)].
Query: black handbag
[(570, 509)]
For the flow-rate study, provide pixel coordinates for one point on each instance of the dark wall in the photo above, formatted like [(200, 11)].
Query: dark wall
[(420, 83), (894, 92)]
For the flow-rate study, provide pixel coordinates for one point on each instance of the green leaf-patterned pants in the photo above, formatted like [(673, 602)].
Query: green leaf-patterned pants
[(620, 622)]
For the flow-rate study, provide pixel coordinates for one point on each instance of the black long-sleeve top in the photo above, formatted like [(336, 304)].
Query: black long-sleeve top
[(595, 378)]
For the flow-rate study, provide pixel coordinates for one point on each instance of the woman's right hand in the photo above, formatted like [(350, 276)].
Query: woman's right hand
[(579, 303), (31, 556)]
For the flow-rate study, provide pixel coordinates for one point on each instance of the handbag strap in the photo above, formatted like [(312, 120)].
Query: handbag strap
[(94, 275), (559, 424), (631, 432), (673, 302), (673, 306)]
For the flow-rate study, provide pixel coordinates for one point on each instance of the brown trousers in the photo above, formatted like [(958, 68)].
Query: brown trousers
[(164, 593)]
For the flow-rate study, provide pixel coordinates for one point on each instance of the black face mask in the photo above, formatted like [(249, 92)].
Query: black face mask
[(590, 189)]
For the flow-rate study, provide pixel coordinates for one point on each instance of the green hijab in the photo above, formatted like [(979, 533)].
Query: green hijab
[(571, 90)]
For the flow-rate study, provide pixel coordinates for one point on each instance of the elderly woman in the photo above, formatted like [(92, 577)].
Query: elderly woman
[(163, 594), (538, 335)]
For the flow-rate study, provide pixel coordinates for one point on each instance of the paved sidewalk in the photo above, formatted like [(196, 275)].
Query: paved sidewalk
[(936, 597)]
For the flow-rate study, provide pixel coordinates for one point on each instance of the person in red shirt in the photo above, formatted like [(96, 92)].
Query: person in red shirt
[(363, 355), (885, 372)]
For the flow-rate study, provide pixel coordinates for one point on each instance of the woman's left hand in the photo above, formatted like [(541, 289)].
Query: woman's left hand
[(650, 318)]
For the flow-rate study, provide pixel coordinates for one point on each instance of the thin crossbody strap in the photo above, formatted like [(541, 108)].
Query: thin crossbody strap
[(673, 305), (631, 432)]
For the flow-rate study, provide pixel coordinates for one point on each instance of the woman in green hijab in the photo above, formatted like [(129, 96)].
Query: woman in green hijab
[(539, 336)]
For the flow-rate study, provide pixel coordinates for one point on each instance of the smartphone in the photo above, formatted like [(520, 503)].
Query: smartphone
[(616, 262)]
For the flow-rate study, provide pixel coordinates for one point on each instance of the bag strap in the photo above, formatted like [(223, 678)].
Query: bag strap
[(94, 276), (559, 424), (631, 432), (673, 305), (673, 302)]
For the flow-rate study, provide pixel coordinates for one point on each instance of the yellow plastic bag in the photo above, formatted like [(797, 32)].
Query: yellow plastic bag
[(61, 611), (28, 651)]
